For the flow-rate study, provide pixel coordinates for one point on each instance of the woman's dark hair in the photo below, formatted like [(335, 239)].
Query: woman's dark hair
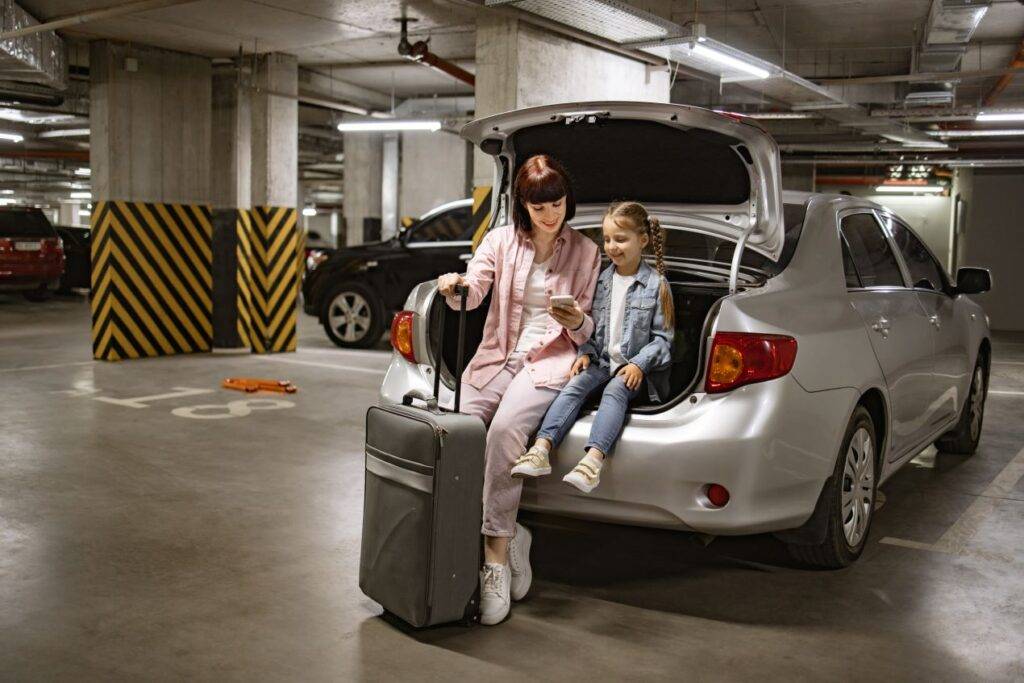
[(540, 179)]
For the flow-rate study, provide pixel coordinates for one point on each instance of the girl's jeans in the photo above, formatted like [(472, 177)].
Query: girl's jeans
[(610, 415)]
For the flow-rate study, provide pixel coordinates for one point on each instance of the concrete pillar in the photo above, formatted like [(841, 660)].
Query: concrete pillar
[(364, 167), (519, 65), (68, 213), (149, 116), (275, 131), (231, 150), (434, 171)]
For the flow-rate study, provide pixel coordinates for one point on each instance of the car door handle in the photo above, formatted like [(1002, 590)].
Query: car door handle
[(934, 320), (881, 326)]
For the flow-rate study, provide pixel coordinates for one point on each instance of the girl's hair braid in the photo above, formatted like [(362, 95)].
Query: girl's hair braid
[(634, 216)]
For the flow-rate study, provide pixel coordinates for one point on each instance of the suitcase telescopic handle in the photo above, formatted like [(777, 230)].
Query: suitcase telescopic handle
[(462, 292)]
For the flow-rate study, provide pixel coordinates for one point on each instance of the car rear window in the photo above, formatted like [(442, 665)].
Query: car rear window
[(24, 223)]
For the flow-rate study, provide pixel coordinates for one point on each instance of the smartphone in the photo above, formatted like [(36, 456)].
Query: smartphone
[(563, 300)]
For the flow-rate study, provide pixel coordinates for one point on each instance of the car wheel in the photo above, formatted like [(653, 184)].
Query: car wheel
[(41, 294), (353, 316), (851, 498), (963, 439)]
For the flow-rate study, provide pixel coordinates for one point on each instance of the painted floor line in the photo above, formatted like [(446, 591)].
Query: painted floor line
[(332, 366), (1008, 362), (955, 539), (46, 367), (1005, 392)]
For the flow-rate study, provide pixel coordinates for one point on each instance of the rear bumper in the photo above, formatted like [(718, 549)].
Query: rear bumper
[(9, 283), (772, 445)]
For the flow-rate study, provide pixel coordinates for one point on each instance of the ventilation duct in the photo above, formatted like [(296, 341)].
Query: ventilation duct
[(35, 58), (611, 19), (954, 21)]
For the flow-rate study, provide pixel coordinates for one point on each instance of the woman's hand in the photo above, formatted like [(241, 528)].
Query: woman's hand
[(631, 375), (447, 283), (581, 364), (569, 318)]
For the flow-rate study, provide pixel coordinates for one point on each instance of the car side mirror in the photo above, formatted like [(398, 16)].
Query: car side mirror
[(924, 283), (973, 280)]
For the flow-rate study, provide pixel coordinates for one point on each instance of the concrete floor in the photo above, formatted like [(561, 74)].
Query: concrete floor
[(137, 541)]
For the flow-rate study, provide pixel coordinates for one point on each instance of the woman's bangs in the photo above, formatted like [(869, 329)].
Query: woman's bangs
[(547, 186)]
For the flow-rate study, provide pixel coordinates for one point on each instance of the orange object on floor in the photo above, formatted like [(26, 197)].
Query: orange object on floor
[(251, 385)]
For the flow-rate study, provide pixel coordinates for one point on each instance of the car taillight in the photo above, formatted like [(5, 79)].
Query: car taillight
[(51, 245), (401, 335), (739, 358), (6, 245)]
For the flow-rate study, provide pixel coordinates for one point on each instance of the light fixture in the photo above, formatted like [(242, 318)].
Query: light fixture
[(309, 211), (1001, 116), (6, 191), (81, 195), (776, 115), (11, 137), (975, 133), (910, 189), (65, 133), (379, 126), (35, 118), (702, 51), (84, 171)]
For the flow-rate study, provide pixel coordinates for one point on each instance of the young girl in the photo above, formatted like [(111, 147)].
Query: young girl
[(630, 347)]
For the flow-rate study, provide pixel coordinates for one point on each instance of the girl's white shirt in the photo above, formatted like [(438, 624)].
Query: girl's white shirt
[(616, 317)]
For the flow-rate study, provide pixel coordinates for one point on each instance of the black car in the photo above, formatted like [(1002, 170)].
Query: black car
[(77, 258), (355, 291)]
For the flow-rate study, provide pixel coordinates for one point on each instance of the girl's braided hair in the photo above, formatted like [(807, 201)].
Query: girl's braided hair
[(634, 216)]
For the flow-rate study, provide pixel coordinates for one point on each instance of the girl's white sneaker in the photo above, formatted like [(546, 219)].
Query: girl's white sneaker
[(532, 463), (585, 476)]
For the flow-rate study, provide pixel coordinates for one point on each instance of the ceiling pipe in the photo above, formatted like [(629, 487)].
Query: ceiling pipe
[(72, 154), (419, 52), (928, 77), (92, 15), (1016, 63)]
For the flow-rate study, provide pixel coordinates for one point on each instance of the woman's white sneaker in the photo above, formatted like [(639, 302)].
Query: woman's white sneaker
[(494, 593), (532, 463), (519, 562)]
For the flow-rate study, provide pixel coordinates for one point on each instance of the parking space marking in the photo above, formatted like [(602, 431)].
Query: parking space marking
[(141, 401), (1008, 362), (1005, 392), (46, 367), (332, 366), (956, 538)]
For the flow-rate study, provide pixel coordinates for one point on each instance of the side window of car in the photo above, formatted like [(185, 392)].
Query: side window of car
[(925, 272), (446, 227), (849, 269), (870, 252)]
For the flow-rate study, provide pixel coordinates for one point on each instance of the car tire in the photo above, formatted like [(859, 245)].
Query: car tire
[(38, 295), (352, 315), (851, 498), (963, 439)]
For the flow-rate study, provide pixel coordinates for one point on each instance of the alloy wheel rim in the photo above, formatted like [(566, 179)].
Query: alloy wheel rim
[(349, 316), (858, 489), (977, 403)]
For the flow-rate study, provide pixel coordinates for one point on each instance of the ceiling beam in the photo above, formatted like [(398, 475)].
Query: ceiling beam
[(92, 15), (1016, 63)]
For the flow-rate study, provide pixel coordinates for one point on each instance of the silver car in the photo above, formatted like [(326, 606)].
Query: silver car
[(819, 344)]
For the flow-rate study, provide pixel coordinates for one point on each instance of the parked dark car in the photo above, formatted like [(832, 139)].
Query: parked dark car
[(355, 291), (31, 253), (77, 257)]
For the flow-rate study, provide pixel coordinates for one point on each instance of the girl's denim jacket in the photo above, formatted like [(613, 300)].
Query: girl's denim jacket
[(645, 341)]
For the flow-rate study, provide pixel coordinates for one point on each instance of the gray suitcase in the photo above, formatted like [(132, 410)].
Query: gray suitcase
[(422, 509)]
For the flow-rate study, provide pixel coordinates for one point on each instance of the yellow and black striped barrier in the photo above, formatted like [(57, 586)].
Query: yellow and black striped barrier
[(151, 279), (270, 262), (481, 216)]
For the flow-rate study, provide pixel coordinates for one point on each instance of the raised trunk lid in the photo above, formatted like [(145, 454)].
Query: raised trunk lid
[(713, 168)]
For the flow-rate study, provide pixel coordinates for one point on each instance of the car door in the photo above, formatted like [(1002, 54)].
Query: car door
[(441, 244), (933, 290), (899, 330)]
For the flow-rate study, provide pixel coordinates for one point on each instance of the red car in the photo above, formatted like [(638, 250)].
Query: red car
[(31, 253)]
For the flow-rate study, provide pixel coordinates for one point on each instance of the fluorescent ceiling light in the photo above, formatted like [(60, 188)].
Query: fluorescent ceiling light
[(6, 191), (11, 137), (377, 126), (309, 211), (975, 133), (1002, 116), (7, 201), (81, 195), (35, 118), (778, 115), (65, 133), (83, 171), (910, 189), (704, 52)]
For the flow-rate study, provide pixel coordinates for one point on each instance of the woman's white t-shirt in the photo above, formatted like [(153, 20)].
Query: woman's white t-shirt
[(534, 323), (616, 317)]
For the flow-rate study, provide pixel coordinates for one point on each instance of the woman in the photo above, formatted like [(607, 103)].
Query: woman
[(526, 353)]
